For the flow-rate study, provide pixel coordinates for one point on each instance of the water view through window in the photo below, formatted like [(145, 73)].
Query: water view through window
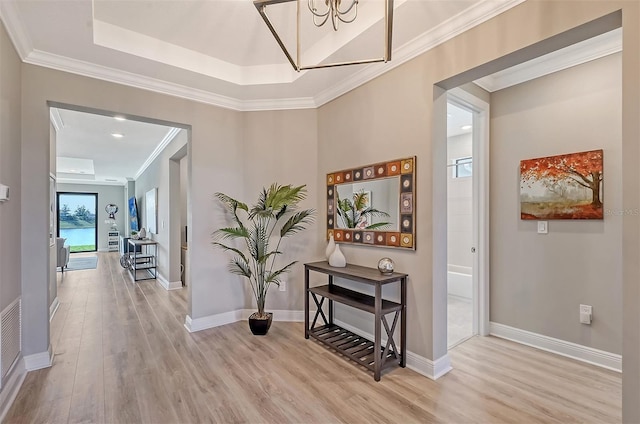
[(77, 220)]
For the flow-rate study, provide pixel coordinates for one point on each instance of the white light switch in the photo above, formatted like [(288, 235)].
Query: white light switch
[(283, 285), (543, 228), (586, 314)]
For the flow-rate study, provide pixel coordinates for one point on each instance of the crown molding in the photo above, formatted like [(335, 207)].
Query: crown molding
[(577, 54), (15, 28), (90, 182), (171, 134), (463, 21), (468, 18)]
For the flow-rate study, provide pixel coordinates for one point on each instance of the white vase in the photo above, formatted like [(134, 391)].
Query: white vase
[(330, 247), (337, 259)]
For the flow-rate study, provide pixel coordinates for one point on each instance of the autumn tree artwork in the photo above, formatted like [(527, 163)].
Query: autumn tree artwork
[(562, 187)]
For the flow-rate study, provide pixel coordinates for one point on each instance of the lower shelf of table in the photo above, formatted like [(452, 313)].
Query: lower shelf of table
[(353, 346)]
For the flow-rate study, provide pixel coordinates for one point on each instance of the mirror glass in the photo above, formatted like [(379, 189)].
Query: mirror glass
[(373, 204)]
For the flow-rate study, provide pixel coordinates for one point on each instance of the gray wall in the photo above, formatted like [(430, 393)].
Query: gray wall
[(157, 175), (10, 211), (106, 194), (280, 146), (356, 127), (539, 281), (368, 125)]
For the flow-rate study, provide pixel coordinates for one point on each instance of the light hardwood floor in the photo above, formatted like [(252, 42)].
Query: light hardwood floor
[(122, 355)]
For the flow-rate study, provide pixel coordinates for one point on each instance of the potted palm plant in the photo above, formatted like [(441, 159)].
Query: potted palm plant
[(273, 218)]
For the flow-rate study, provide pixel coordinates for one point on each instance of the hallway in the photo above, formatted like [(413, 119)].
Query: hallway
[(122, 355)]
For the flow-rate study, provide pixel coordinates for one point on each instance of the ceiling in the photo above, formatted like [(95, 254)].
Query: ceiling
[(87, 152), (220, 51)]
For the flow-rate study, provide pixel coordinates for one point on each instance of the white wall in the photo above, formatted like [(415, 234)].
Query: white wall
[(157, 175), (539, 281), (459, 207), (106, 194)]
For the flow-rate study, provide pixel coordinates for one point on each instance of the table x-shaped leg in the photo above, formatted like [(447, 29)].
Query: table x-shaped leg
[(390, 341), (319, 311)]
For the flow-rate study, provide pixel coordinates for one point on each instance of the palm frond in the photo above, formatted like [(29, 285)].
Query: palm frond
[(377, 226), (240, 267), (232, 249), (275, 274), (231, 233), (297, 222)]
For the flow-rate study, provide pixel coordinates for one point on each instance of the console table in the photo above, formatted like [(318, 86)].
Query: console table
[(370, 354), (144, 257)]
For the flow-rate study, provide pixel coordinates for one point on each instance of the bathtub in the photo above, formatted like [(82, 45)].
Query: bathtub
[(460, 281)]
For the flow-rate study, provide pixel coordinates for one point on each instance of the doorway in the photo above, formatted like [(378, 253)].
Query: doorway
[(77, 220), (467, 217)]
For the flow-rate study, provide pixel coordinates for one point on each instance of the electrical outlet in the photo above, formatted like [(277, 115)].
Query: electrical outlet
[(586, 314), (283, 285)]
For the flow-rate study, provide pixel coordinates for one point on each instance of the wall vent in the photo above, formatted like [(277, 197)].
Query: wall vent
[(10, 335)]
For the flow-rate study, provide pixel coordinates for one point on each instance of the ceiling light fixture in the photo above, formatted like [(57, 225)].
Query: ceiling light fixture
[(466, 127), (119, 118), (333, 11), (337, 15), (117, 135)]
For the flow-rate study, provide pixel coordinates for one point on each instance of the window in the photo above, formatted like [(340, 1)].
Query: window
[(77, 220), (463, 167)]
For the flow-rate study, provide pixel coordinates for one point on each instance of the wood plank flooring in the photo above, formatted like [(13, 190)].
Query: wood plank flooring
[(122, 355)]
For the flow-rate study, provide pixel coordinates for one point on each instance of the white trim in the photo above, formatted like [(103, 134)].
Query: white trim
[(420, 364), (53, 308), (56, 119), (481, 221), (469, 18), (11, 386), (16, 29), (171, 134), (91, 182), (38, 361), (211, 321), (465, 20), (576, 54), (430, 369), (575, 351), (173, 285)]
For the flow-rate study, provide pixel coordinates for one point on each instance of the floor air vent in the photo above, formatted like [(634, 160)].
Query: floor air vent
[(10, 336)]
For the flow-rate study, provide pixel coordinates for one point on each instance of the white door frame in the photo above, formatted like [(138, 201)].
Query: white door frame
[(480, 110)]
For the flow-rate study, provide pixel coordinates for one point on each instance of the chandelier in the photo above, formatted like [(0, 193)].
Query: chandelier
[(321, 12), (333, 11)]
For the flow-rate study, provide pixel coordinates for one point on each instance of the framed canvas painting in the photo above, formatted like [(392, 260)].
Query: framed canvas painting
[(562, 187)]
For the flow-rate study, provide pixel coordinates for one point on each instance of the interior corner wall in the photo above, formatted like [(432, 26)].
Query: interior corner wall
[(10, 156), (538, 281), (157, 176), (106, 194), (393, 116), (281, 147), (215, 149)]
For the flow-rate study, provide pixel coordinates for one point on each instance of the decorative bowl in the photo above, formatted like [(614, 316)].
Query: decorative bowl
[(385, 266)]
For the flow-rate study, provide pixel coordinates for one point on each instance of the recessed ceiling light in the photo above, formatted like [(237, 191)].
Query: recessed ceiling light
[(73, 171), (466, 127), (117, 135), (119, 118)]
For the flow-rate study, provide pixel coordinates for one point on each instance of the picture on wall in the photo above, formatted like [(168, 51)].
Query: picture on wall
[(133, 215), (151, 210), (562, 187)]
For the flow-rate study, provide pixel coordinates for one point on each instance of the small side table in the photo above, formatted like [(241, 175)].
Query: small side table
[(144, 259)]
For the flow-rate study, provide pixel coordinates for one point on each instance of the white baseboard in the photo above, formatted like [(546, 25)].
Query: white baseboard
[(224, 318), (582, 353), (38, 361), (53, 308), (11, 386), (420, 364), (174, 285)]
